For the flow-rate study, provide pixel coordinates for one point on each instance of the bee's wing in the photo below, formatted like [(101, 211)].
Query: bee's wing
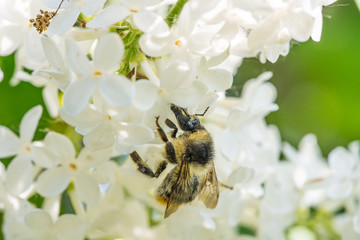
[(209, 195), (177, 189), (171, 207)]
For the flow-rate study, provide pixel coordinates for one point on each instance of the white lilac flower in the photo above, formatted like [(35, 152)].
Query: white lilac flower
[(38, 225), (104, 125), (344, 164), (52, 78), (16, 30), (67, 16), (215, 78), (145, 20), (188, 36), (177, 85), (20, 171), (278, 208), (58, 72), (257, 100), (18, 35), (58, 156), (11, 205), (116, 215), (98, 74)]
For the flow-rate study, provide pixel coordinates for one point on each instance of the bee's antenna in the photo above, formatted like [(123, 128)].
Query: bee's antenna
[(202, 114)]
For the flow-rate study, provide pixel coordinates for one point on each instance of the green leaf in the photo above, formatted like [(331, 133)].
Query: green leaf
[(65, 205), (119, 159), (37, 200), (175, 12), (242, 229)]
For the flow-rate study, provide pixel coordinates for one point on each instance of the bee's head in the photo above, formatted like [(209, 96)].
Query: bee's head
[(186, 122)]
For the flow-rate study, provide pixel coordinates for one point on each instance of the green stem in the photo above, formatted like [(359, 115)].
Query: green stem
[(175, 12)]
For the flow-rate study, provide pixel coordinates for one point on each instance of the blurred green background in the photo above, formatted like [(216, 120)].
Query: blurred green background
[(318, 84)]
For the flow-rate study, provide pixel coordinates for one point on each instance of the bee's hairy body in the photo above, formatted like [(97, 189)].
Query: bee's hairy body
[(194, 173), (199, 147)]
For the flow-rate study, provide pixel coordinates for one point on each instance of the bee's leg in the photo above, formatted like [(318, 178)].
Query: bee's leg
[(144, 168), (170, 150), (225, 186), (160, 168), (161, 131), (141, 165), (171, 125)]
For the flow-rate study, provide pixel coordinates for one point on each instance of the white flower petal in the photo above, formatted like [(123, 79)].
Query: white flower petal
[(60, 146), (340, 189), (108, 53), (135, 134), (300, 25), (156, 46), (77, 59), (88, 118), (341, 161), (70, 226), (186, 97), (91, 159), (53, 182), (108, 17), (20, 174), (63, 21), (87, 188), (105, 172), (317, 28), (179, 73), (217, 79), (117, 90), (265, 33), (99, 138), (43, 157), (1, 75), (9, 142), (348, 231), (29, 124), (145, 94), (131, 135), (10, 40), (241, 175), (92, 6), (55, 3), (51, 99), (52, 54), (38, 219), (356, 222), (108, 221), (150, 22), (229, 145), (77, 96)]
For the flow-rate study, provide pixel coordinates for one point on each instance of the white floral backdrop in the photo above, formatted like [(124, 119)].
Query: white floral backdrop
[(108, 68)]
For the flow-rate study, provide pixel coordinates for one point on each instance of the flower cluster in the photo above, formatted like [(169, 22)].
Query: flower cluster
[(109, 68)]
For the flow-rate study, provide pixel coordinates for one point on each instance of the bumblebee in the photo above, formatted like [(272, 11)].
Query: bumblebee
[(192, 152)]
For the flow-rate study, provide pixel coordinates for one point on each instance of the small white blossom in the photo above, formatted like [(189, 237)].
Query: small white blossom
[(345, 167), (63, 167), (104, 125), (38, 225), (97, 74), (67, 17), (20, 171)]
